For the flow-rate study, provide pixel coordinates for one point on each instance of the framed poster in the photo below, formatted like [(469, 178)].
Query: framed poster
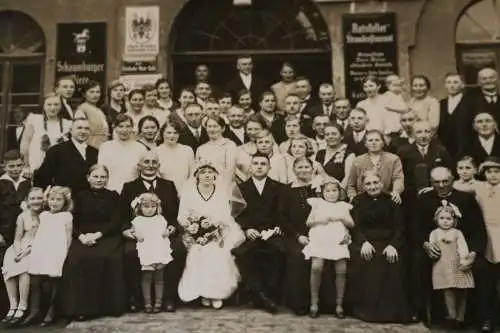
[(142, 31), (81, 53), (370, 48)]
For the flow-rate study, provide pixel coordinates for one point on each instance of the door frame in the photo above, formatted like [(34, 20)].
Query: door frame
[(7, 67)]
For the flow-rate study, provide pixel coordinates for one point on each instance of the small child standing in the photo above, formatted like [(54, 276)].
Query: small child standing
[(153, 247), (449, 273), (49, 250), (466, 170), (16, 260), (328, 240)]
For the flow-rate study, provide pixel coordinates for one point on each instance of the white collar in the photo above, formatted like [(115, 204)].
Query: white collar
[(5, 176), (192, 129), (78, 144), (262, 181), (150, 179), (237, 130), (246, 76), (490, 139), (457, 96)]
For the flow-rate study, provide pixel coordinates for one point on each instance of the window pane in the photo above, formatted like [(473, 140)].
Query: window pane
[(26, 78)]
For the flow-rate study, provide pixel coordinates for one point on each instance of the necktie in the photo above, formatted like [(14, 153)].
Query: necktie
[(150, 184), (197, 134), (423, 151)]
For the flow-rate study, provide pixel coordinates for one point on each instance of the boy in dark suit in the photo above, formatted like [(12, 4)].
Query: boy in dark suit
[(261, 258)]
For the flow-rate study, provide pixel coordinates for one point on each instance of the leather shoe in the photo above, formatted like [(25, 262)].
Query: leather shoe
[(268, 304), (486, 326), (47, 322), (170, 307)]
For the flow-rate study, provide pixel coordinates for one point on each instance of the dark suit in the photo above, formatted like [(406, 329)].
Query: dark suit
[(13, 138), (257, 86), (261, 263), (166, 191), (187, 138), (472, 147), (455, 128), (358, 148), (398, 140), (229, 134), (67, 112), (321, 109), (279, 133), (472, 226), (311, 108), (417, 168), (63, 165), (479, 104)]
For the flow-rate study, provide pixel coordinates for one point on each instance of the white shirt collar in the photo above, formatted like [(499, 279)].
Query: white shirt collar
[(81, 147), (246, 79), (259, 184), (194, 130), (487, 144), (9, 178)]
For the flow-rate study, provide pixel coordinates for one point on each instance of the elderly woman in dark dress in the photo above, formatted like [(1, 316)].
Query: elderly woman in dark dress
[(376, 267), (295, 211), (93, 283)]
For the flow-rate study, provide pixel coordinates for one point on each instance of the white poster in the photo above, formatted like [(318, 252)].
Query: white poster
[(138, 81), (142, 31)]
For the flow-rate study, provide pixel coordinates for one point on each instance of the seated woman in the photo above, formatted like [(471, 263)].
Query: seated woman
[(376, 267), (93, 283), (210, 273), (294, 209)]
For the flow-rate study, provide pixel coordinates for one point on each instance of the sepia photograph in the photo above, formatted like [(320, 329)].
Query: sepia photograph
[(260, 166)]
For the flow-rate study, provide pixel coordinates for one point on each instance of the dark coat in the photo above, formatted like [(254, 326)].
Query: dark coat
[(229, 134), (10, 200), (63, 165), (472, 147), (235, 85), (358, 148), (187, 138), (480, 104)]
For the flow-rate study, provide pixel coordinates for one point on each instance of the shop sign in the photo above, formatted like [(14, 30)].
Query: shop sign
[(138, 81), (142, 31), (139, 66), (370, 48), (81, 53)]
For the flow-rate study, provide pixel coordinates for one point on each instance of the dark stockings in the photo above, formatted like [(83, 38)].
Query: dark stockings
[(154, 278)]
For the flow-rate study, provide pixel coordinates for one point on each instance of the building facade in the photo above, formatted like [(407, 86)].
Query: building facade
[(134, 39)]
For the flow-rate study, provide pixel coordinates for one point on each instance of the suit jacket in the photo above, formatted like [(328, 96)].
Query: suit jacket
[(311, 108), (187, 138), (471, 224), (257, 86), (358, 148), (63, 165), (67, 113), (453, 128), (319, 109), (229, 134), (397, 141), (164, 189), (278, 128), (10, 200), (13, 140), (480, 104), (417, 168), (473, 148)]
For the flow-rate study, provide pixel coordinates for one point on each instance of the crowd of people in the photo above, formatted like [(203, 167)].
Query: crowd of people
[(385, 211)]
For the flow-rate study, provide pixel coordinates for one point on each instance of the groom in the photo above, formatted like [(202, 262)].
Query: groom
[(261, 258), (148, 181)]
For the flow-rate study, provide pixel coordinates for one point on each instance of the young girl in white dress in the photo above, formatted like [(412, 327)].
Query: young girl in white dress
[(49, 249), (328, 240), (16, 260), (449, 273), (153, 247)]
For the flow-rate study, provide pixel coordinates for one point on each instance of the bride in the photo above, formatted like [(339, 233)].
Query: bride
[(210, 271)]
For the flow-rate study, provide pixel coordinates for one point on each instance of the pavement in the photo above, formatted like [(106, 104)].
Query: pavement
[(227, 320)]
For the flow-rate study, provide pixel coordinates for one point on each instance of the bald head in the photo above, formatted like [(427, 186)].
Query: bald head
[(149, 164), (487, 79), (442, 181)]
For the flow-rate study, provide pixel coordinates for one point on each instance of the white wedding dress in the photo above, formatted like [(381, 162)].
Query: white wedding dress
[(210, 270)]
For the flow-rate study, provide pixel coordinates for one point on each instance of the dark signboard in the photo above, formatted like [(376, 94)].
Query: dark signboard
[(81, 52), (139, 66), (370, 48), (473, 60)]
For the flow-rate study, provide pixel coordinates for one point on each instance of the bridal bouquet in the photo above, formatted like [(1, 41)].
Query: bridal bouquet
[(199, 229)]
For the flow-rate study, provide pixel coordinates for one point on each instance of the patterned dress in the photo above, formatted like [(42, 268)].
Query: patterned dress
[(446, 272)]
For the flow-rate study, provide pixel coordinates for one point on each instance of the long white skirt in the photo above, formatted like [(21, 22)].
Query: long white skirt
[(210, 272)]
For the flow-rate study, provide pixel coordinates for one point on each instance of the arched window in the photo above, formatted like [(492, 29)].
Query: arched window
[(22, 54), (271, 31), (478, 38)]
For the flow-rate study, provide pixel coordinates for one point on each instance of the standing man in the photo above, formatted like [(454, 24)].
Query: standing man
[(67, 163), (261, 258), (488, 99), (423, 252), (355, 139), (455, 116), (236, 131), (148, 181), (342, 110), (193, 135), (485, 141), (65, 88), (246, 80), (308, 104), (326, 105), (405, 134)]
